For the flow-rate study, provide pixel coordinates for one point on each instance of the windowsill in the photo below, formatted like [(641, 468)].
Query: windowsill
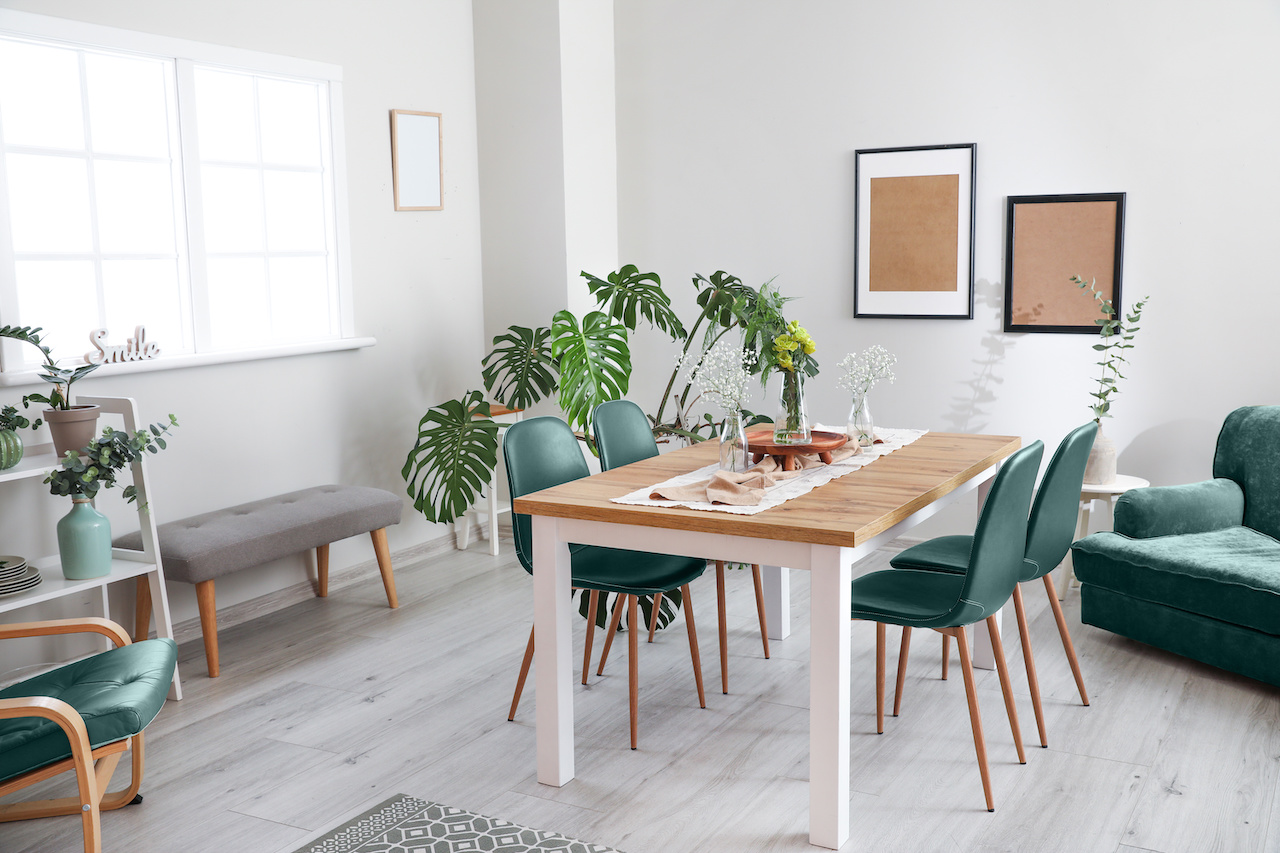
[(202, 359)]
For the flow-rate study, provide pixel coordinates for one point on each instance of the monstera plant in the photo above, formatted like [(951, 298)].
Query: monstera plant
[(584, 363)]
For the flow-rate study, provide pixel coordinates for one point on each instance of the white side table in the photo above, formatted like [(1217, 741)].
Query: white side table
[(504, 418), (1088, 494)]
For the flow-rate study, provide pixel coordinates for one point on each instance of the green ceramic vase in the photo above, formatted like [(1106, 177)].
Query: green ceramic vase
[(84, 542), (10, 449)]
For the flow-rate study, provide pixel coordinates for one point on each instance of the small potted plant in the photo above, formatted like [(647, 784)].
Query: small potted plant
[(861, 373), (71, 426), (10, 442), (1117, 336), (84, 534)]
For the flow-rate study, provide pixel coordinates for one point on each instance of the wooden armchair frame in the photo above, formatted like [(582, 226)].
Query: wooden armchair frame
[(93, 767)]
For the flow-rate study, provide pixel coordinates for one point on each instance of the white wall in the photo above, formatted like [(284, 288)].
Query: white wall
[(256, 429), (737, 126)]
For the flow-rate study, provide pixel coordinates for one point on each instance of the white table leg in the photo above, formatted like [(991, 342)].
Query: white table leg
[(553, 646), (829, 577), (984, 657), (777, 601)]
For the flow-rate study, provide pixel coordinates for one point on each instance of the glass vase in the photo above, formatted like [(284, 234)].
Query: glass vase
[(733, 443), (861, 427), (791, 426)]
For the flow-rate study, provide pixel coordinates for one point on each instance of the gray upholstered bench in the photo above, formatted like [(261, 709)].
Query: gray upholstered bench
[(202, 548)]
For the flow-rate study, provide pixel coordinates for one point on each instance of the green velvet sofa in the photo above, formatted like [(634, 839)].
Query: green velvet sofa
[(1195, 569)]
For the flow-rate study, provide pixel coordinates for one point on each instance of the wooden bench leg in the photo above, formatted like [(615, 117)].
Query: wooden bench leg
[(142, 610), (322, 570), (380, 548), (208, 624)]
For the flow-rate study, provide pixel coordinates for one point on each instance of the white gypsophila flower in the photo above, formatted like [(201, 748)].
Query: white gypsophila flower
[(723, 375), (864, 370)]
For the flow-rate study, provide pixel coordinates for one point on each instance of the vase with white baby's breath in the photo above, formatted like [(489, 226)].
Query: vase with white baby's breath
[(722, 377), (861, 373)]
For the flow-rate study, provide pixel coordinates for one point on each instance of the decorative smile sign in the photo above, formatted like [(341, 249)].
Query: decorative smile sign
[(137, 348)]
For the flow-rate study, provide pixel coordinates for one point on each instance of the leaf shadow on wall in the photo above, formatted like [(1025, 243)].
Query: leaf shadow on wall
[(971, 410)]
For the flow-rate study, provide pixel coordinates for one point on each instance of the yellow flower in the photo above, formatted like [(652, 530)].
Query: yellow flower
[(809, 346), (784, 361), (785, 343), (793, 326)]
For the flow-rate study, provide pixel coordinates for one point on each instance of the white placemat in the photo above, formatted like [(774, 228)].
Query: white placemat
[(892, 439)]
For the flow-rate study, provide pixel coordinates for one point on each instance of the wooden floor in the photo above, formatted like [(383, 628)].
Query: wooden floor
[(330, 706)]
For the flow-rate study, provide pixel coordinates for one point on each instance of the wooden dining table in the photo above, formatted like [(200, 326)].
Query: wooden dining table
[(823, 532)]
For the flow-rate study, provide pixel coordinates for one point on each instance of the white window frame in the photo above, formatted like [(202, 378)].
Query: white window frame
[(186, 54)]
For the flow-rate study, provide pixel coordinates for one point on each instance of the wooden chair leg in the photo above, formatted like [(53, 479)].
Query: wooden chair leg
[(1024, 634), (946, 655), (592, 605), (902, 669), (322, 571), (142, 609), (524, 673), (653, 615), (880, 629), (206, 602), (724, 629), (1006, 686), (764, 625), (633, 663), (1066, 639), (125, 796), (613, 629), (975, 716), (380, 548), (693, 645)]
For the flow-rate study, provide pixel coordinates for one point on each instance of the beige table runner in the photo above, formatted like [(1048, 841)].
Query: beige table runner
[(738, 493)]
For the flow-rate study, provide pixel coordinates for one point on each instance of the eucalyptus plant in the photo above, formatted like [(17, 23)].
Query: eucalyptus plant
[(95, 467), (1117, 337), (59, 377), (10, 419)]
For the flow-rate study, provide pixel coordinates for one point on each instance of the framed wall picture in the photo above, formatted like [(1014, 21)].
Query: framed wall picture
[(913, 224), (417, 163), (1050, 238)]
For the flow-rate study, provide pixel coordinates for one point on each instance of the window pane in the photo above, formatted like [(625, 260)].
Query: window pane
[(62, 298), (135, 207), (144, 293), (232, 209), (40, 96), (299, 299), (225, 113), (295, 211), (290, 114), (239, 310), (49, 203), (128, 105)]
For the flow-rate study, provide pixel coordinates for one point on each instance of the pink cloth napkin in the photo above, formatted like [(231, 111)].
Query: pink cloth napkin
[(747, 488)]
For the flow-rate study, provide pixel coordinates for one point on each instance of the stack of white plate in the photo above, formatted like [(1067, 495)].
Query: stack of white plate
[(16, 576)]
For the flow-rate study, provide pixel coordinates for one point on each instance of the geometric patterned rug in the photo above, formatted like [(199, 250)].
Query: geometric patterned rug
[(409, 825)]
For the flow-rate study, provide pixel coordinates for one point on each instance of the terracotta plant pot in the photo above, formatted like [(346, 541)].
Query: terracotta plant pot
[(1101, 467), (72, 428)]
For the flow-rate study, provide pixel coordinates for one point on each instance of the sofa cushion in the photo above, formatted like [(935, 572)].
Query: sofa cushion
[(1249, 453), (1231, 574), (117, 694)]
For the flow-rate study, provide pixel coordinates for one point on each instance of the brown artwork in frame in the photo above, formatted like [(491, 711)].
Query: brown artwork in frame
[(1049, 239)]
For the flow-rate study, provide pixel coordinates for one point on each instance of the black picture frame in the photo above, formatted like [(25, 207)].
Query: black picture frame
[(1062, 235), (917, 298)]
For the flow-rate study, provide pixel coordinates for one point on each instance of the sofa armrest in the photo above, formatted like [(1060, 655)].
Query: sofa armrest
[(1174, 510)]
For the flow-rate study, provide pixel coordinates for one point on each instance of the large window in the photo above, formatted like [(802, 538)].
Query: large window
[(185, 188)]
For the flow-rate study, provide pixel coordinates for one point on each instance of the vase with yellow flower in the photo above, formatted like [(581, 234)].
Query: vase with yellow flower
[(792, 350)]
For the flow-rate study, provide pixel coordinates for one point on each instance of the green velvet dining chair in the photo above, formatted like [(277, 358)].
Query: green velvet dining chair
[(1050, 531), (948, 602), (544, 452), (623, 436)]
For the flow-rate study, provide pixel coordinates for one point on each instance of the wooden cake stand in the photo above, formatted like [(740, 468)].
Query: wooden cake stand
[(760, 444)]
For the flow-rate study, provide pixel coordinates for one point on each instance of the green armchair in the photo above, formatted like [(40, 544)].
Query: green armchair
[(1195, 569)]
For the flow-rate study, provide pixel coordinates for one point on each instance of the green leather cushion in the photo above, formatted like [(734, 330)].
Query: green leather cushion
[(943, 554), (1232, 574), (631, 572), (920, 599), (117, 693)]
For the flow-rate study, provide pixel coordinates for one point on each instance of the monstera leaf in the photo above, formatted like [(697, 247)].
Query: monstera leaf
[(519, 371), (667, 609), (453, 458), (595, 363), (629, 294)]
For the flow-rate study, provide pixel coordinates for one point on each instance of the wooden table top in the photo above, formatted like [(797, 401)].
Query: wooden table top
[(844, 512)]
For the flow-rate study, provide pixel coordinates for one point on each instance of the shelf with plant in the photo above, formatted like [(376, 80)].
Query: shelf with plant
[(71, 425)]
